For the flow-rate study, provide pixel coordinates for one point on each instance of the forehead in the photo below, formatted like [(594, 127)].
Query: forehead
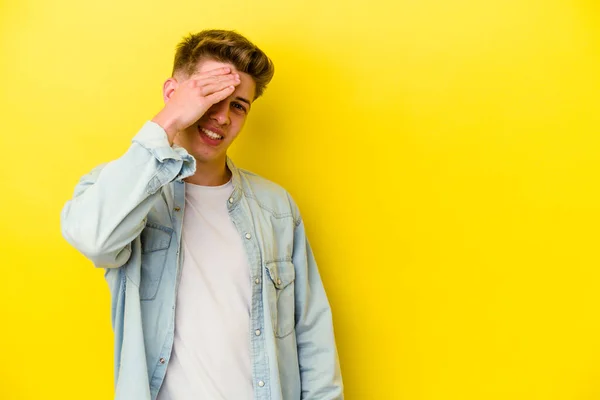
[(247, 86)]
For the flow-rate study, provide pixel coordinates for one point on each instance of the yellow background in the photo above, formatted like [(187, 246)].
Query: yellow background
[(444, 154)]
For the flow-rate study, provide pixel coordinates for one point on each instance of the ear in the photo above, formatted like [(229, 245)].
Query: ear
[(169, 88)]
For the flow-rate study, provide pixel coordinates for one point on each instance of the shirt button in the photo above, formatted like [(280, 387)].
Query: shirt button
[(279, 281), (257, 332), (248, 236), (261, 383), (162, 360), (177, 209), (230, 200), (257, 281)]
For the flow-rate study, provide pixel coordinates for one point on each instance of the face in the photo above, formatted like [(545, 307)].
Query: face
[(225, 119)]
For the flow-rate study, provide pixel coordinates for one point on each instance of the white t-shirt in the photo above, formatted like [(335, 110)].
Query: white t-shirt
[(211, 351)]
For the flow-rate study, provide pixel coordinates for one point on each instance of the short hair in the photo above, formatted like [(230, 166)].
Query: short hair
[(224, 46)]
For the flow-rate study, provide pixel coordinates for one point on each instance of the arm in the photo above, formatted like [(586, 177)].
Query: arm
[(319, 365), (110, 204)]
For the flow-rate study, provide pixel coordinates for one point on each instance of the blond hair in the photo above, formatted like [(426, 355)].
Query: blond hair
[(224, 46)]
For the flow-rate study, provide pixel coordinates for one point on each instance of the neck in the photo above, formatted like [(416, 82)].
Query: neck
[(210, 174)]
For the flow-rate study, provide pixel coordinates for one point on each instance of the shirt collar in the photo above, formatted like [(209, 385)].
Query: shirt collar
[(236, 181)]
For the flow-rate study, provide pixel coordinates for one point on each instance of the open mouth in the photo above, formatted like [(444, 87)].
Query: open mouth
[(210, 134)]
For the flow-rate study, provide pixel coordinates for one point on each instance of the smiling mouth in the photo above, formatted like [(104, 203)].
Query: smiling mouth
[(212, 135)]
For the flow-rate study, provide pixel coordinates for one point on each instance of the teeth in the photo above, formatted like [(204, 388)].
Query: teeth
[(211, 134)]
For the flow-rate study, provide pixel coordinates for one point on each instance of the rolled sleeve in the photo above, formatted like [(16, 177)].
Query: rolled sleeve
[(177, 163)]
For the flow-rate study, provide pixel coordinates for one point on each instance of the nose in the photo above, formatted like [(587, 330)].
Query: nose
[(219, 112)]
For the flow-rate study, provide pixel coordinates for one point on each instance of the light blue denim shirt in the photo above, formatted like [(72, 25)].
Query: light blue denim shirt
[(126, 216)]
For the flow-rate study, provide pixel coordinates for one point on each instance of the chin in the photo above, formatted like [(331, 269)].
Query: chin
[(201, 155)]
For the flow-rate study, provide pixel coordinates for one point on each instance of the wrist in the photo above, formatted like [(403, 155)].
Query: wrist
[(168, 126)]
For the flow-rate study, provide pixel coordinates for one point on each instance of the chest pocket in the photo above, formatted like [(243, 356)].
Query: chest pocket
[(280, 292), (155, 240)]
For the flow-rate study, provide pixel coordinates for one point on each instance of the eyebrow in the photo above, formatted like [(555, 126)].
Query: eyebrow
[(244, 100)]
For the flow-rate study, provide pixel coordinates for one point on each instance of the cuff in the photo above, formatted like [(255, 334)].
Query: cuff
[(153, 138)]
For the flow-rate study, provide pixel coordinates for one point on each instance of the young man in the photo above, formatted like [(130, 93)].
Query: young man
[(223, 301)]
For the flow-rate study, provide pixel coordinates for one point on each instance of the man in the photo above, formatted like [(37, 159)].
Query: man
[(224, 300)]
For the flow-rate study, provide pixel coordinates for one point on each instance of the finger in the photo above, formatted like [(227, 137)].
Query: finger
[(217, 86), (213, 72), (210, 80), (221, 95)]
